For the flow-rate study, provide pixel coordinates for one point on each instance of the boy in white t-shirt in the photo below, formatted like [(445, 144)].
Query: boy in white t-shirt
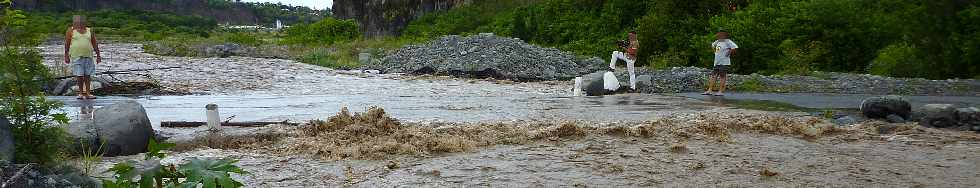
[(724, 49)]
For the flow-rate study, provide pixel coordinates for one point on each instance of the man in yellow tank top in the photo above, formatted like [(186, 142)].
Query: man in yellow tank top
[(80, 43)]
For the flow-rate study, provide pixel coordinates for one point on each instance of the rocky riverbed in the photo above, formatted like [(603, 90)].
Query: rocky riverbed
[(555, 140)]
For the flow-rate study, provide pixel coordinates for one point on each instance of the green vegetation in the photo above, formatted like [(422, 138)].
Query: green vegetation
[(37, 139), (134, 24), (751, 84), (917, 38), (345, 55), (205, 173), (327, 31)]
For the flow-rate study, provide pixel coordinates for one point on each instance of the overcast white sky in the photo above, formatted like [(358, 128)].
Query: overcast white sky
[(316, 4)]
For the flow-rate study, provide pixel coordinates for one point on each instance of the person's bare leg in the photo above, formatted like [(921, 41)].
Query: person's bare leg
[(88, 86), (80, 80), (721, 84), (711, 82)]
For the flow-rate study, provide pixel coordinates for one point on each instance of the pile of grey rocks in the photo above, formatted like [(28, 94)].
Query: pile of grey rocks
[(486, 56), (896, 109)]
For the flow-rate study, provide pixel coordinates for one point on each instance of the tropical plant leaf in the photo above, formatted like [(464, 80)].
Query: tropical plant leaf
[(210, 173), (124, 173), (154, 149)]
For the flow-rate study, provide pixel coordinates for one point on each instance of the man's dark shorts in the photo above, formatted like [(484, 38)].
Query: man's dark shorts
[(720, 71)]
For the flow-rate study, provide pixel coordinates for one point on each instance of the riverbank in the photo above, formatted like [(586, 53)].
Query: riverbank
[(487, 132)]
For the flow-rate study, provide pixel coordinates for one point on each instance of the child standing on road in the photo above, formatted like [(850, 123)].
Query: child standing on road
[(724, 49)]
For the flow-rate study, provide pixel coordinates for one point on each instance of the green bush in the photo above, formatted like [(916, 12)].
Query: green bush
[(324, 57), (898, 60), (327, 31), (22, 102)]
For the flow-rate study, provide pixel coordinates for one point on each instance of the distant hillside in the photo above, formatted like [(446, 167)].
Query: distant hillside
[(224, 11), (388, 17)]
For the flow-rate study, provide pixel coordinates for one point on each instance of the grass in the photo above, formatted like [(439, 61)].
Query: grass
[(344, 55), (753, 84), (88, 158)]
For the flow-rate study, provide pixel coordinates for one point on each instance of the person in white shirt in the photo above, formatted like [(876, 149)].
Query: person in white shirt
[(724, 49)]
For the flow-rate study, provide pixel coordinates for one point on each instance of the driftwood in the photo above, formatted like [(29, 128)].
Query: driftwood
[(122, 71), (183, 124)]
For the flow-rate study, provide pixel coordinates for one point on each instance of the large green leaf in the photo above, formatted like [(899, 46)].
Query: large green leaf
[(124, 173), (154, 149), (210, 173)]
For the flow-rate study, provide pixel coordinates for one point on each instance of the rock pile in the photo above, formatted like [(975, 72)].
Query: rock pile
[(949, 116), (43, 177), (485, 56)]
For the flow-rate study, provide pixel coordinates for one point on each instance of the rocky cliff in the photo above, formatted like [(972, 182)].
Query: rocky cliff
[(223, 11), (388, 17)]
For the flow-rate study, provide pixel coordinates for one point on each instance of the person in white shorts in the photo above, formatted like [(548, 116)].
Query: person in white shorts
[(630, 57)]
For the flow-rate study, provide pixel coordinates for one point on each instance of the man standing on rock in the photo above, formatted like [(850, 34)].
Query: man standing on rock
[(724, 49), (630, 57), (80, 43)]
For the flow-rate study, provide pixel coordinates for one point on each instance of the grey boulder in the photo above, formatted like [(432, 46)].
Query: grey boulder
[(968, 116), (6, 141), (119, 129), (881, 107), (596, 84), (938, 115)]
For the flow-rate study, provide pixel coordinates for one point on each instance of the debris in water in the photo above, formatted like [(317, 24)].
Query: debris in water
[(766, 172)]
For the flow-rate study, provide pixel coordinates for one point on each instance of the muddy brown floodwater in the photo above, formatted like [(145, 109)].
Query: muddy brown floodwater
[(485, 133)]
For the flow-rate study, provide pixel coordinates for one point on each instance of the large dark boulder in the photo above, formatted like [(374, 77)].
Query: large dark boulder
[(938, 115), (881, 107), (123, 128), (6, 141), (599, 84)]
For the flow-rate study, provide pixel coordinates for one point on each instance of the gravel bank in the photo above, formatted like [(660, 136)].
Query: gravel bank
[(486, 55), (693, 79)]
